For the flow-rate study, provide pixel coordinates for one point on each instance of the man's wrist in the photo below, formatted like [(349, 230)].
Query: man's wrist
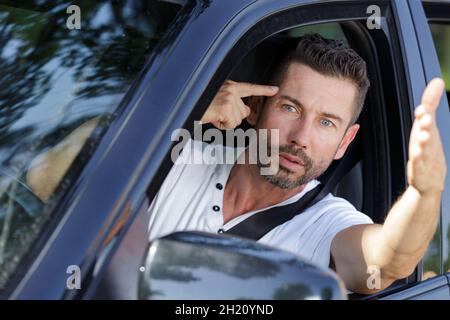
[(430, 193)]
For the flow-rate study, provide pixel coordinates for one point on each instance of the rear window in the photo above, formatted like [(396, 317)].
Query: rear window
[(63, 75)]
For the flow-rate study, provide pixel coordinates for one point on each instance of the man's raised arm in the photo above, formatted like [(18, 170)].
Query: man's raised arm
[(396, 247)]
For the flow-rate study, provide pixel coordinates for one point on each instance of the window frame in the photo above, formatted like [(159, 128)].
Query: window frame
[(221, 66)]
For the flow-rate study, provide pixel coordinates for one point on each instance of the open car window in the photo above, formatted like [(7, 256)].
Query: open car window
[(374, 173)]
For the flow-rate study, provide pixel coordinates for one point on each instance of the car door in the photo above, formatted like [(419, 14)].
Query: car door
[(393, 56)]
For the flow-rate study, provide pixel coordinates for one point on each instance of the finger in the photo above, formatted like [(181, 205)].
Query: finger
[(248, 111), (210, 115), (223, 119), (416, 152), (249, 89), (424, 137), (244, 110), (226, 124), (432, 94), (233, 118), (218, 125), (420, 111), (426, 121)]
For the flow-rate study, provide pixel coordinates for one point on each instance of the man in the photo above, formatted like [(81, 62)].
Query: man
[(319, 93)]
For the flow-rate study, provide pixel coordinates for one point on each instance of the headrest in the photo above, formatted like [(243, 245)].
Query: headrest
[(258, 64)]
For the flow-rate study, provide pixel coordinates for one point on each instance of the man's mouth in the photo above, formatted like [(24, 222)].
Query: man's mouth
[(291, 162)]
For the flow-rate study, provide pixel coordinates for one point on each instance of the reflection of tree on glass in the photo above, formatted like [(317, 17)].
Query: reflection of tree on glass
[(60, 90)]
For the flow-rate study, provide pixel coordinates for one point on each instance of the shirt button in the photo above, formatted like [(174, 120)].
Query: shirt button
[(216, 208), (219, 186), (220, 231)]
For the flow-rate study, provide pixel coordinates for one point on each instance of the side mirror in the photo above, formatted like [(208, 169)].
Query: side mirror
[(198, 265)]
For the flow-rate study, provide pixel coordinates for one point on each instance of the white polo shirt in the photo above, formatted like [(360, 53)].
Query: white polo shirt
[(191, 198)]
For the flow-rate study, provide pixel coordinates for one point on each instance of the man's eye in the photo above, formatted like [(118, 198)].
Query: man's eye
[(288, 108), (326, 123)]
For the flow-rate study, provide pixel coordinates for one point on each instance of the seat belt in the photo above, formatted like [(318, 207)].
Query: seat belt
[(259, 224)]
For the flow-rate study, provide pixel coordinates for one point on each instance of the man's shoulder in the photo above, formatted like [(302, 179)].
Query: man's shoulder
[(331, 200), (338, 208)]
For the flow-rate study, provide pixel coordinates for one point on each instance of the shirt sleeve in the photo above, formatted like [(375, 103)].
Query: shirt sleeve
[(340, 217)]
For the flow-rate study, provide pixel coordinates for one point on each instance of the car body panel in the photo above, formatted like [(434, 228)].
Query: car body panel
[(433, 289)]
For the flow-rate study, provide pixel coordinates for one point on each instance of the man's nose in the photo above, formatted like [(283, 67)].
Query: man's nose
[(300, 133)]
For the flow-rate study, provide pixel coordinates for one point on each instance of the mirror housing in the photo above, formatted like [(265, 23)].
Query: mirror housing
[(199, 265)]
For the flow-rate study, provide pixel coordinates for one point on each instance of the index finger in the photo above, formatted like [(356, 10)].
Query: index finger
[(244, 89), (432, 94)]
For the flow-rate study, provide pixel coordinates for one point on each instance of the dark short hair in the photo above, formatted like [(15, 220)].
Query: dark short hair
[(328, 57)]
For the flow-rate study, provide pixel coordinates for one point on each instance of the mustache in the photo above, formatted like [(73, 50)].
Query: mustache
[(299, 153)]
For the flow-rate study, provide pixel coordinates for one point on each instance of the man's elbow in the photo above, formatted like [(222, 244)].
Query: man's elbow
[(371, 286), (397, 273), (395, 265), (378, 278)]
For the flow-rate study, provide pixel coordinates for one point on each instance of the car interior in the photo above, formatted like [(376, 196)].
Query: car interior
[(254, 69)]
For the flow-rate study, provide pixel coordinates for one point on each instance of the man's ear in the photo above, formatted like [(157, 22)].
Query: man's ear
[(350, 134), (255, 104)]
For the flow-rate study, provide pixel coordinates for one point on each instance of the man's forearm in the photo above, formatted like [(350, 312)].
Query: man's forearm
[(406, 233)]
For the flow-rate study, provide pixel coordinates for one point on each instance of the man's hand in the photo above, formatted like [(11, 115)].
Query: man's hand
[(426, 165), (227, 110)]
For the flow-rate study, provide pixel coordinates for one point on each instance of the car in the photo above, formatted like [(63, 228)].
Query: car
[(91, 95)]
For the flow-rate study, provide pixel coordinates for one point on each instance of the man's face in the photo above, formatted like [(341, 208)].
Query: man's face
[(312, 113)]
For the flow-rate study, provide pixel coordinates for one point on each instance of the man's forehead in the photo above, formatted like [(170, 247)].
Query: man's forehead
[(315, 90)]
